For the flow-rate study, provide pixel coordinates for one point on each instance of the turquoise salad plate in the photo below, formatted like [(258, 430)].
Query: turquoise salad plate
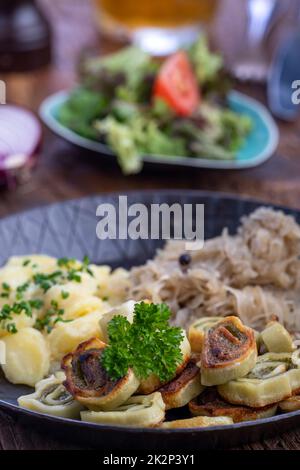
[(260, 144)]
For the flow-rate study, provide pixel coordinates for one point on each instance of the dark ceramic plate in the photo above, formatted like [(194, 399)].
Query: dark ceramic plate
[(69, 229)]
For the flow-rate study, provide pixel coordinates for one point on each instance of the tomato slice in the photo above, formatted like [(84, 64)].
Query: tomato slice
[(177, 86)]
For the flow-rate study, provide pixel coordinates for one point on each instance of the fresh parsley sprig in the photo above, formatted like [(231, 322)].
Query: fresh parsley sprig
[(148, 345)]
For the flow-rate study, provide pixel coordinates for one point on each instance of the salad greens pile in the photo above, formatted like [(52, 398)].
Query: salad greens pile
[(116, 104)]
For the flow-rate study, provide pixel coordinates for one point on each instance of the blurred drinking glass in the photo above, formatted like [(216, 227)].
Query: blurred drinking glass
[(158, 26)]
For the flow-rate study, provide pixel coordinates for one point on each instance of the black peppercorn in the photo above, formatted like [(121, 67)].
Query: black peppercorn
[(185, 259)]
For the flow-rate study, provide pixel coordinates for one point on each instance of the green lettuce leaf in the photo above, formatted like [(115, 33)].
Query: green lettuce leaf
[(206, 64)]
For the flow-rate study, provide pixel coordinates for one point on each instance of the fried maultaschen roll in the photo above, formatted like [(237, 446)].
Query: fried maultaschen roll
[(229, 352), (290, 404), (183, 388), (88, 381), (52, 398), (197, 332), (275, 338), (274, 378), (209, 403), (139, 411), (197, 422)]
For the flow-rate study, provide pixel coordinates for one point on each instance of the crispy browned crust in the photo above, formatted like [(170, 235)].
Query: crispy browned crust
[(86, 351), (222, 348), (156, 383), (157, 425), (210, 403), (197, 422), (92, 343), (173, 387), (290, 404), (153, 383), (236, 403)]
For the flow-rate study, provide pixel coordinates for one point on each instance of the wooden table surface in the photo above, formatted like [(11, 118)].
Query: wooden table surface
[(65, 172)]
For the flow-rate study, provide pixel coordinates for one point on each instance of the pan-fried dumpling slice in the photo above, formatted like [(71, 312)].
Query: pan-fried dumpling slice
[(291, 404), (27, 357), (89, 382), (126, 310), (209, 403), (52, 398), (197, 331), (183, 388), (138, 411), (273, 379), (284, 357), (275, 338), (296, 358), (152, 383), (229, 352), (65, 337), (197, 422)]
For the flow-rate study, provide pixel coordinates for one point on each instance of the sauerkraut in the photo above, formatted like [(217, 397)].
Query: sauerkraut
[(254, 274)]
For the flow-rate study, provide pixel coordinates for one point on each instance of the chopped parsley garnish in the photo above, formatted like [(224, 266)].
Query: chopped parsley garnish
[(66, 262), (70, 270), (86, 260), (74, 268), (37, 303), (64, 294), (46, 281), (7, 312), (148, 345), (6, 290), (51, 317), (85, 266), (21, 289), (11, 328), (74, 276)]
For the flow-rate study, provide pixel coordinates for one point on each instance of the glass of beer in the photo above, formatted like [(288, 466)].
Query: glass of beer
[(158, 26)]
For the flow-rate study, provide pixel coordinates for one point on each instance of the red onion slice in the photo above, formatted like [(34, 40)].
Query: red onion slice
[(20, 136)]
